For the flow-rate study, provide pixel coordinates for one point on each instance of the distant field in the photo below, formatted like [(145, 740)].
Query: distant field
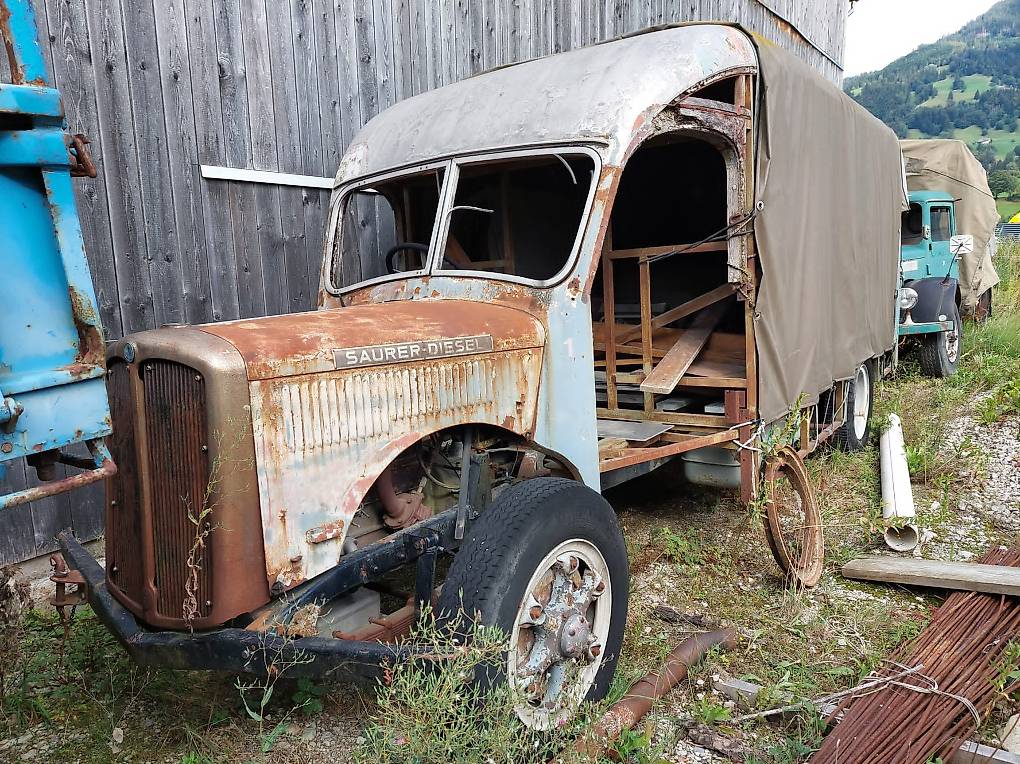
[(1007, 209), (973, 82), (1003, 142)]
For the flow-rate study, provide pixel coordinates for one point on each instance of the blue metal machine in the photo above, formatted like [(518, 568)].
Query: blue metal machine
[(52, 386)]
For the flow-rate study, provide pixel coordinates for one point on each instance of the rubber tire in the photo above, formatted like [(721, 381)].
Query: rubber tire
[(934, 357), (506, 544), (845, 438)]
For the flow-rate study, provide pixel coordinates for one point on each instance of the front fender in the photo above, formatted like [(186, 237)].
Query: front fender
[(935, 297)]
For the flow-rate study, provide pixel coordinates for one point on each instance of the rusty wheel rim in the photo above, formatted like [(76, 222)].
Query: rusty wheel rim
[(793, 522)]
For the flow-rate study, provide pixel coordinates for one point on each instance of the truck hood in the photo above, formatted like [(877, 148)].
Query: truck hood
[(377, 334)]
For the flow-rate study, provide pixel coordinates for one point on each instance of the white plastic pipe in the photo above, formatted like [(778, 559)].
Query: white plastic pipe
[(897, 495)]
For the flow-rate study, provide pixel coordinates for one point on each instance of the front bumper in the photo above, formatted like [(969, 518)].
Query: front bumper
[(928, 327), (231, 649)]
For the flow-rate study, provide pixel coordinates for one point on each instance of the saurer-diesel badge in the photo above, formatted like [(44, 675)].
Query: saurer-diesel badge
[(373, 355)]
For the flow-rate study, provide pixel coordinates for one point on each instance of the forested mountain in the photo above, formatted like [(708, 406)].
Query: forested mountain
[(966, 86)]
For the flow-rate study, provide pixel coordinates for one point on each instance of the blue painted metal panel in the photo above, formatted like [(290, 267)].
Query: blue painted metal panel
[(928, 327), (52, 391)]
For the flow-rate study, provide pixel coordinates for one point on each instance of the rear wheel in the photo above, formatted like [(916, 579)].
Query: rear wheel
[(855, 432), (940, 351), (547, 565)]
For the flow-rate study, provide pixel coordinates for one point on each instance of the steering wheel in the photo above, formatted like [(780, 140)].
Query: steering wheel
[(400, 246)]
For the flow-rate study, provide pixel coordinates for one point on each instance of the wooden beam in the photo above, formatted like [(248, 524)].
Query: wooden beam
[(686, 249), (640, 455), (668, 372), (934, 574), (609, 316), (681, 311)]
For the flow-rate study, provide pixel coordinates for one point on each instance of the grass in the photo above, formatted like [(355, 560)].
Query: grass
[(1007, 209), (973, 82)]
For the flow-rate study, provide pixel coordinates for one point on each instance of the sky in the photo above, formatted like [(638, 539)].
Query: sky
[(880, 31)]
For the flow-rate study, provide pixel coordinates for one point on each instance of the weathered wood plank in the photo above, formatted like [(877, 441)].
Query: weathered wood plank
[(934, 574), (205, 73), (158, 223), (185, 179), (120, 164), (668, 372)]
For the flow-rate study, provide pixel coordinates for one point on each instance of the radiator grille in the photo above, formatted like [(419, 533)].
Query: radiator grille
[(178, 478), (123, 503)]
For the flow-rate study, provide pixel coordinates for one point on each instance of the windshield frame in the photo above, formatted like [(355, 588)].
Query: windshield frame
[(437, 245)]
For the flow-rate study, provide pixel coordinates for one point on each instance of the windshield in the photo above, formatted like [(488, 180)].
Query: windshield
[(517, 216)]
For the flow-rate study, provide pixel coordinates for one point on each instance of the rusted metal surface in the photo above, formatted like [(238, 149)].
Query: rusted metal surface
[(963, 670), (82, 165), (793, 521), (304, 343), (150, 536), (322, 440), (402, 509), (104, 468), (626, 712)]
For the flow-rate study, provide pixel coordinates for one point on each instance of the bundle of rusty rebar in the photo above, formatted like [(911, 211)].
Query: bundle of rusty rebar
[(959, 660)]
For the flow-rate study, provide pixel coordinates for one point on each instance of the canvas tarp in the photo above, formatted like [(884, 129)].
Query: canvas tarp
[(830, 186), (949, 166)]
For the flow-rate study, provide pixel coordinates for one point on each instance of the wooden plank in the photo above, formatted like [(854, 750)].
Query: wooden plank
[(265, 155), (680, 249), (645, 281), (682, 311), (119, 165), (641, 455), (155, 192), (640, 432), (205, 88), (184, 181), (934, 574), (287, 92), (668, 372)]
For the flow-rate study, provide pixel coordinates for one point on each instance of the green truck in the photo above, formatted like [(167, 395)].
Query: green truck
[(945, 275)]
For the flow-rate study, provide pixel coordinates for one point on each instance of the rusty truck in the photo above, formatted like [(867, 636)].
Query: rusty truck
[(680, 247)]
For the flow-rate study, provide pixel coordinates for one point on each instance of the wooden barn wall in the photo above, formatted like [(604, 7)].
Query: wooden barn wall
[(163, 86)]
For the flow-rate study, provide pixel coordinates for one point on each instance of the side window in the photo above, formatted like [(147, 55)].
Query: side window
[(518, 217), (941, 229), (911, 228)]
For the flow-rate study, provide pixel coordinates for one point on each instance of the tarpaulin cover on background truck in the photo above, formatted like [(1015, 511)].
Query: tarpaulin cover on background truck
[(828, 233), (949, 166)]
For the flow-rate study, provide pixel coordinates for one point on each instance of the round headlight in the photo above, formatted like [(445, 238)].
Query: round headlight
[(908, 298)]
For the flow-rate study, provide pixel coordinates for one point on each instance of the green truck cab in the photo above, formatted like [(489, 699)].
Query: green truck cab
[(929, 304)]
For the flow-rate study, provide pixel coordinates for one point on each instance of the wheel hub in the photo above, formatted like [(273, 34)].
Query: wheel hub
[(559, 628)]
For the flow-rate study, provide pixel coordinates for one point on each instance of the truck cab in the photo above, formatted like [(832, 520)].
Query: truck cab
[(930, 252), (519, 308)]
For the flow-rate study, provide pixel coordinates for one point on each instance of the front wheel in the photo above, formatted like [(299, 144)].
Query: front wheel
[(940, 351), (855, 432), (547, 565)]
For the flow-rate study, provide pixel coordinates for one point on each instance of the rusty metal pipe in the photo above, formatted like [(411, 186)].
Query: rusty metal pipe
[(626, 712)]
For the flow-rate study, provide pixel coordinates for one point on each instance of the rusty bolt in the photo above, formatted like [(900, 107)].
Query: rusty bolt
[(572, 632), (6, 448), (535, 612)]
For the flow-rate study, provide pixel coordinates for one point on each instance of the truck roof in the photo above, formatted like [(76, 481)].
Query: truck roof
[(600, 94)]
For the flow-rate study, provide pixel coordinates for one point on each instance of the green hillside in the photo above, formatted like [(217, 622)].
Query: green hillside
[(964, 86)]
